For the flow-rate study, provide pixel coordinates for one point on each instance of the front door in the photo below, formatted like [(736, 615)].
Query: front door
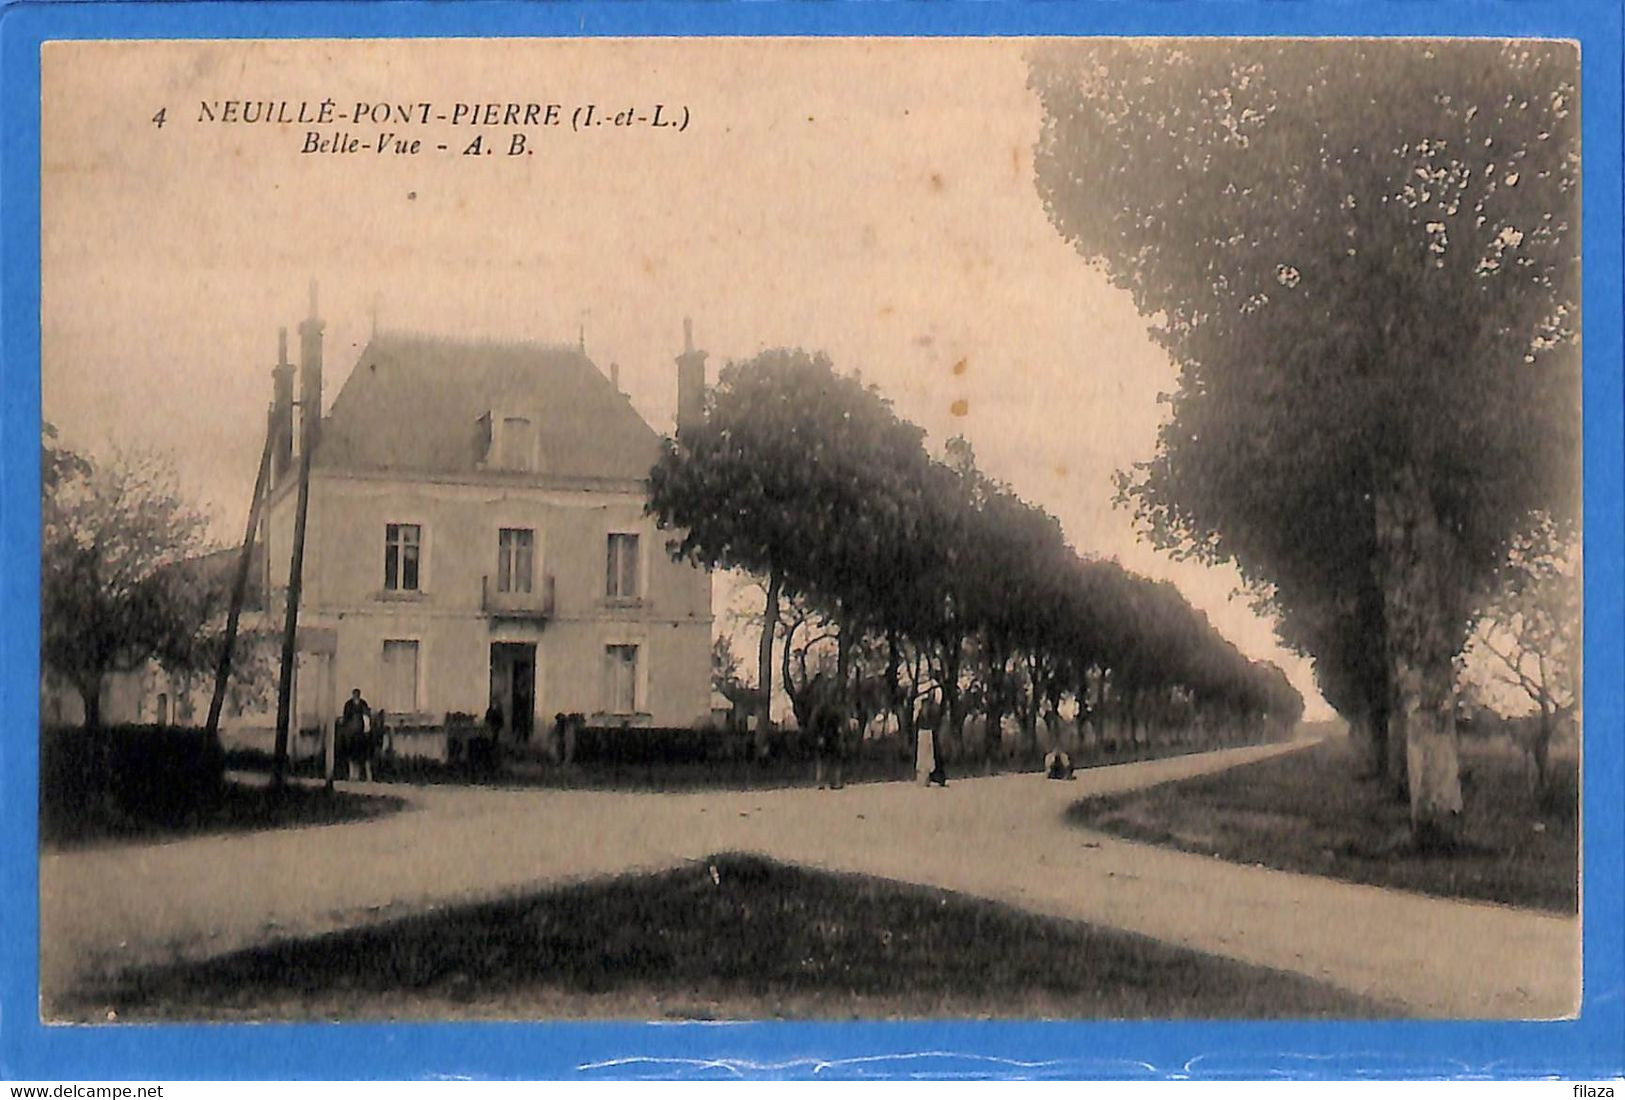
[(513, 687), (523, 715)]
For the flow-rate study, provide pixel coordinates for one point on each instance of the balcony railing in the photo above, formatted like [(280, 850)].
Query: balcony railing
[(536, 604)]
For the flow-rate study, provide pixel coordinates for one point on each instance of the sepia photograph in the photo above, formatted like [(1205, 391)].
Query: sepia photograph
[(720, 529)]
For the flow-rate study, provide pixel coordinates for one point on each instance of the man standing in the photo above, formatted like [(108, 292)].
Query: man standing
[(356, 740), (483, 751), (357, 714)]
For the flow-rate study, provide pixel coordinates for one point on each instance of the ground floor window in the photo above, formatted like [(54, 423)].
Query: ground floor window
[(621, 677), (400, 694)]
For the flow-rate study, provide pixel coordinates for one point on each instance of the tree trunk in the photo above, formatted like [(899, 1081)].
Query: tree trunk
[(894, 691), (1394, 770), (997, 683), (953, 702), (1370, 745), (848, 633), (1385, 767), (1029, 718), (90, 694), (1540, 753), (1415, 571), (1100, 714), (1080, 720), (100, 762), (907, 720), (1360, 743), (764, 665)]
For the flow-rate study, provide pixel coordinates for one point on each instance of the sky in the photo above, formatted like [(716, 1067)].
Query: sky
[(872, 199)]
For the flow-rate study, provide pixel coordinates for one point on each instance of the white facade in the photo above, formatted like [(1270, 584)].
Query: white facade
[(420, 640)]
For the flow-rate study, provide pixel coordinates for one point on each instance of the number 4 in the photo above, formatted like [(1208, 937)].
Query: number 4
[(158, 119)]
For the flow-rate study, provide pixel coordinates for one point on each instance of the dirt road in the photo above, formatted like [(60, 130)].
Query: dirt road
[(103, 910)]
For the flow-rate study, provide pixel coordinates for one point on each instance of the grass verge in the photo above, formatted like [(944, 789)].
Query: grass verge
[(735, 937), (1308, 811), (237, 808)]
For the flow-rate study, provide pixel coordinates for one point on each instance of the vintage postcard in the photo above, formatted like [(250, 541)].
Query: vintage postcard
[(698, 528)]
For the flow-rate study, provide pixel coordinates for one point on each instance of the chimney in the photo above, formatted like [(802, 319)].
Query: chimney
[(615, 376), (310, 377), (281, 425), (690, 381)]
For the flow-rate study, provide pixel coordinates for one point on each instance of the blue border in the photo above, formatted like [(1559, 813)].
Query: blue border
[(1591, 1047)]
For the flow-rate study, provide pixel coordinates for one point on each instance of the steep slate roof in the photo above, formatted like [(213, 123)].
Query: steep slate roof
[(412, 404), (217, 569)]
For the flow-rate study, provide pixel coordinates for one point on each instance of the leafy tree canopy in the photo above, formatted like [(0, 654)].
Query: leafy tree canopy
[(1363, 257), (116, 588)]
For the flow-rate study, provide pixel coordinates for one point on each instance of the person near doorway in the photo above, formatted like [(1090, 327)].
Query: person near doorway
[(483, 750), (357, 714), (358, 740)]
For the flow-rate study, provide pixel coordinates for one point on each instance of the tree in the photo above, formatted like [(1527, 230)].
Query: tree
[(115, 587), (1528, 638), (57, 465), (1352, 673), (252, 678), (797, 474), (806, 655), (878, 560), (1363, 258), (724, 665)]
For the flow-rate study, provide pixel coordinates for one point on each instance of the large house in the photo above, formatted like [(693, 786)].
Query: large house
[(476, 536)]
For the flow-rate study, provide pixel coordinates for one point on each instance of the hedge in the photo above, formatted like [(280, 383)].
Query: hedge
[(159, 774)]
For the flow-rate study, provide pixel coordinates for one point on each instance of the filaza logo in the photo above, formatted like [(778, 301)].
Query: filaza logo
[(1594, 1092)]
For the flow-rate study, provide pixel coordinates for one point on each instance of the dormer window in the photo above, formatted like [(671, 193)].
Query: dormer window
[(506, 440), (518, 444)]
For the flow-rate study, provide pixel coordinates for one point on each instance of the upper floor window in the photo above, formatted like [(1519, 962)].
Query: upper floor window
[(622, 573), (515, 555), (403, 550)]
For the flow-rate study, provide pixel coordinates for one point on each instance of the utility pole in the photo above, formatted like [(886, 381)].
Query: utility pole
[(290, 624), (239, 589), (310, 419)]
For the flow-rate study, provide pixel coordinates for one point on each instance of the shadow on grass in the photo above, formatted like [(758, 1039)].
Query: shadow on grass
[(1310, 812), (236, 808), (734, 936)]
